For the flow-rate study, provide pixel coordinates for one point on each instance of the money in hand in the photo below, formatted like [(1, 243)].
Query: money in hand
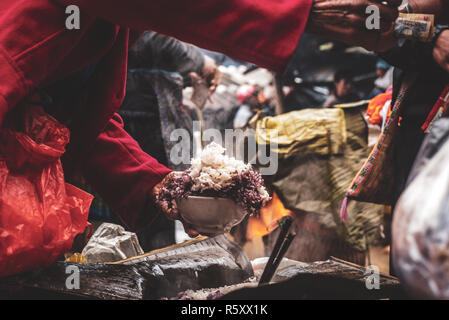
[(411, 26)]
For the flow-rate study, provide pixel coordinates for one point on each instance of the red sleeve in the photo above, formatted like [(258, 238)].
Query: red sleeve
[(123, 175), (33, 43), (265, 32)]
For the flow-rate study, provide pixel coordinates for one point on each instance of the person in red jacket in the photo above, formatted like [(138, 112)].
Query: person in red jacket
[(37, 50)]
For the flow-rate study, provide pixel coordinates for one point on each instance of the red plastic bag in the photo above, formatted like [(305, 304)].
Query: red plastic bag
[(40, 214)]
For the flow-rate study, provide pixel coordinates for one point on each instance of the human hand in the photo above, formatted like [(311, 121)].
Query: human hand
[(170, 209), (346, 21), (211, 74), (209, 67), (441, 50), (439, 8), (208, 72), (204, 88)]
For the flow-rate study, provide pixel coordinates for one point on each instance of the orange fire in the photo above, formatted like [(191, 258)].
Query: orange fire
[(259, 227)]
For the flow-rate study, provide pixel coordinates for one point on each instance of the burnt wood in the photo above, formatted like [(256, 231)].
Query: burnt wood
[(211, 262), (323, 280)]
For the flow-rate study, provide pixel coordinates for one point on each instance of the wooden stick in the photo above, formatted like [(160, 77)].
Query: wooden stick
[(285, 224), (169, 248), (285, 245), (359, 267)]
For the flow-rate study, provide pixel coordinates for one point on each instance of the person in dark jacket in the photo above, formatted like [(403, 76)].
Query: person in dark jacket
[(152, 56), (430, 62), (157, 51)]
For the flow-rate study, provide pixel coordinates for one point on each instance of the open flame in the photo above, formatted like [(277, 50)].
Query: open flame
[(273, 211)]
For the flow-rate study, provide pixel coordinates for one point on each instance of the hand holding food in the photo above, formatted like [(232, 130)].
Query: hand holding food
[(205, 85), (214, 175), (435, 7), (209, 68), (169, 206)]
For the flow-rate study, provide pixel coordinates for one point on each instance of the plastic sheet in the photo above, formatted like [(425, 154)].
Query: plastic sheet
[(421, 225), (40, 214), (317, 131), (110, 243)]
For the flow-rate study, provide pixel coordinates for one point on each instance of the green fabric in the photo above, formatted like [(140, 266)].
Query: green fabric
[(318, 131), (315, 182)]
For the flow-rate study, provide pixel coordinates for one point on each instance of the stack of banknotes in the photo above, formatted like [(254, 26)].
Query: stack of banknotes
[(412, 26)]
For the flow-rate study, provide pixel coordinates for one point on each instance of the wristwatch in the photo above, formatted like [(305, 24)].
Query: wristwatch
[(439, 28)]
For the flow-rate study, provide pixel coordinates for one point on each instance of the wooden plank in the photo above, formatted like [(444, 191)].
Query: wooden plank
[(157, 251)]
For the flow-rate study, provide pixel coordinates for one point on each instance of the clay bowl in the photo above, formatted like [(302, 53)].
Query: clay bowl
[(210, 215)]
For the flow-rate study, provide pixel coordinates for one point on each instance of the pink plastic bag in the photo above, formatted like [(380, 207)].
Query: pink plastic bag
[(40, 214)]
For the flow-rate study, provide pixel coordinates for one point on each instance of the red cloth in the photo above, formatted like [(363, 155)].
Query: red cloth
[(376, 105), (36, 50)]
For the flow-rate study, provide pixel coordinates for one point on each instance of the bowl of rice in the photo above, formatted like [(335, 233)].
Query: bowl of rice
[(217, 192)]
